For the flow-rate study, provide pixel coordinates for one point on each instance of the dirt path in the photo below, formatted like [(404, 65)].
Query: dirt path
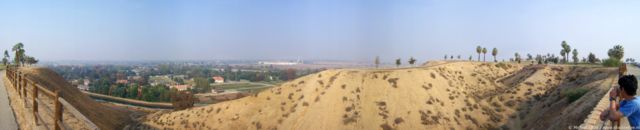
[(7, 118)]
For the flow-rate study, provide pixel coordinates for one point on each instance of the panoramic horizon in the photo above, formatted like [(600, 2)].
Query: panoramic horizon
[(313, 30), (319, 64)]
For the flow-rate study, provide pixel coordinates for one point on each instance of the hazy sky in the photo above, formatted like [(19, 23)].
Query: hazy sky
[(313, 29)]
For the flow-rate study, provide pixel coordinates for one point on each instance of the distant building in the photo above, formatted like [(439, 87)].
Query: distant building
[(217, 90), (280, 62), (181, 87), (83, 87), (122, 81), (218, 79)]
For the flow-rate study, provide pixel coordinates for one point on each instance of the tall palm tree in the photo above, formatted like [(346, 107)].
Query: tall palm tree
[(19, 53), (575, 55), (484, 52), (494, 53), (563, 53), (567, 50), (5, 59), (479, 50), (377, 62), (6, 54)]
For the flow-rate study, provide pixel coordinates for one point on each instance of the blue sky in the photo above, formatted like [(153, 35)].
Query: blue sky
[(313, 29)]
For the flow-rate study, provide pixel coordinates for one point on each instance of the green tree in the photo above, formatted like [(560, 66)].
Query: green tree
[(562, 53), (494, 53), (575, 56), (398, 62), (30, 60), (615, 56), (517, 57), (5, 59), (617, 52), (478, 50), (19, 53), (566, 50), (132, 91), (445, 57), (484, 52), (201, 84), (412, 61)]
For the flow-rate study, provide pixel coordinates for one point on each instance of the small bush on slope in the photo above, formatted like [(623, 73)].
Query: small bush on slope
[(575, 93)]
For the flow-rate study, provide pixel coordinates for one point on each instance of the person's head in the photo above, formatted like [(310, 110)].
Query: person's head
[(628, 84)]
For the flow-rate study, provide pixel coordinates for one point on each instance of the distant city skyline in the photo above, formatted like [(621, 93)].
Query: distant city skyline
[(359, 30)]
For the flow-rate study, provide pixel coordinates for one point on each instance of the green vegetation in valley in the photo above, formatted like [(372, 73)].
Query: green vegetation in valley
[(575, 93)]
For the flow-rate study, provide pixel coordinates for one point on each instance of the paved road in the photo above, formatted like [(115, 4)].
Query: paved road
[(7, 118)]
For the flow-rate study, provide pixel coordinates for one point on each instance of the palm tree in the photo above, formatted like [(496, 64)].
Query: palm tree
[(563, 53), (412, 61), (567, 50), (517, 57), (19, 53), (575, 56), (6, 54), (377, 61), (479, 50), (592, 58), (494, 53), (5, 59), (398, 62), (484, 52)]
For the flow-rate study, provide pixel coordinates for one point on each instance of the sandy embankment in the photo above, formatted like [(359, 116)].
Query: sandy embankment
[(456, 95)]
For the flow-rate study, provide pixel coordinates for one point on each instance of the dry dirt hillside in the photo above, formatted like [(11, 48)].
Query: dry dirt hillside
[(104, 117), (455, 95)]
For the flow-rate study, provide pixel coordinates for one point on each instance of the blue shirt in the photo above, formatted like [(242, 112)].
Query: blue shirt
[(631, 110)]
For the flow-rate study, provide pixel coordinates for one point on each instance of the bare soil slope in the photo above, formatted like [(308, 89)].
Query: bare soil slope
[(104, 117), (455, 95)]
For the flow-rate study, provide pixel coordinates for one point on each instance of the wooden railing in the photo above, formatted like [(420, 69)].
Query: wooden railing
[(22, 84)]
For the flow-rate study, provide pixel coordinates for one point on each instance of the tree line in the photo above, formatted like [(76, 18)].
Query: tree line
[(567, 56), (20, 58)]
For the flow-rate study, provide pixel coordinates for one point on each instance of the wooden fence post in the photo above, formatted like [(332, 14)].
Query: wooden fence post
[(18, 84), (34, 102), (58, 111)]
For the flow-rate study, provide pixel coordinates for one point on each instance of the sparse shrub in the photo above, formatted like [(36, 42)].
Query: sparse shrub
[(502, 65), (393, 82), (348, 109), (386, 126), (398, 120), (575, 93), (611, 62)]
